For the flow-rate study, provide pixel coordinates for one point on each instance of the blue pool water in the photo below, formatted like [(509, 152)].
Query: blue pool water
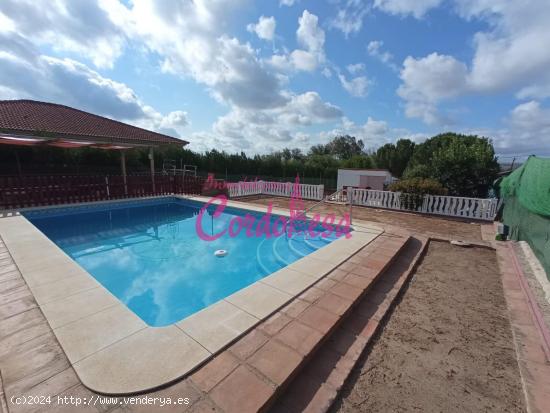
[(149, 255)]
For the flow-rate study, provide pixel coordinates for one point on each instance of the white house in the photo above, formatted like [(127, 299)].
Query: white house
[(364, 178)]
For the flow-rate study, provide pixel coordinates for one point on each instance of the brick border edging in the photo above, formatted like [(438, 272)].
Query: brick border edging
[(533, 306), (533, 362)]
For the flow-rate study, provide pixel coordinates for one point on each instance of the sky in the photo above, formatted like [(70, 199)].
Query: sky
[(240, 75)]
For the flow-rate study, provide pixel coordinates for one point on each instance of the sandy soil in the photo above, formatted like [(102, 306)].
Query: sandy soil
[(420, 224), (447, 347)]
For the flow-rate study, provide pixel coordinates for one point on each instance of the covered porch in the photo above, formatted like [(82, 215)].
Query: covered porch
[(26, 123)]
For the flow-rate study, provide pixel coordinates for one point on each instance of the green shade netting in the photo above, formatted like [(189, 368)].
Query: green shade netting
[(530, 184)]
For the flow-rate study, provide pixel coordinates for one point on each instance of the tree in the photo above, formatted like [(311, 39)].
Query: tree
[(319, 149), (465, 164), (395, 158), (358, 161), (344, 147)]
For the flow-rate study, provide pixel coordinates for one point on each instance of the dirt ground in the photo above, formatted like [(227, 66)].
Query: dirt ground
[(447, 347), (421, 224)]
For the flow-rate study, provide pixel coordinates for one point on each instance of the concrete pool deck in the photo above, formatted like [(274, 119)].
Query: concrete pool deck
[(104, 340)]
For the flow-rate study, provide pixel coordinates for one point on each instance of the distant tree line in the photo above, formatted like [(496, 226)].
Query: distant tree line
[(463, 164)]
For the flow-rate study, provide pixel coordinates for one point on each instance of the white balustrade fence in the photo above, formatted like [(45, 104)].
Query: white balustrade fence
[(305, 191), (475, 208), (244, 188)]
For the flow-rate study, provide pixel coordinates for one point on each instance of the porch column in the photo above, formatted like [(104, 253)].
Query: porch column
[(152, 162), (123, 167)]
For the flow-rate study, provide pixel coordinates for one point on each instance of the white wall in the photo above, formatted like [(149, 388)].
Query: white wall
[(351, 177)]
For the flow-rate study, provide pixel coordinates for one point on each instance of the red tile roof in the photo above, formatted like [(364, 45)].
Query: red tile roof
[(45, 119)]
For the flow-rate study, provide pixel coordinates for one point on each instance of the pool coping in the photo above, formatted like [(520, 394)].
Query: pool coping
[(112, 350)]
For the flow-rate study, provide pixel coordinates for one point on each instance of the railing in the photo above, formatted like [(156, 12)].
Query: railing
[(477, 208), (29, 191), (305, 191), (237, 189), (474, 208)]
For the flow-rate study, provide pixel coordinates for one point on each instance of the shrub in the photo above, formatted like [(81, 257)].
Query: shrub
[(421, 186), (413, 191)]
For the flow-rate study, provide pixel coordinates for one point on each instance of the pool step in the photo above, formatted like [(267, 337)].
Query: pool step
[(318, 383)]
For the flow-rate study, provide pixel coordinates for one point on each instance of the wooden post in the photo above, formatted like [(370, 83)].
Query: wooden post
[(123, 167), (152, 162)]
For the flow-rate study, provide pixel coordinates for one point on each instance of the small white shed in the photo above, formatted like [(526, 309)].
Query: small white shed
[(364, 178)]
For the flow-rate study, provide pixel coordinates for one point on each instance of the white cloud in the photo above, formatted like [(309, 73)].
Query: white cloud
[(264, 29), (356, 86), (270, 129), (510, 56), (374, 49), (190, 39), (356, 68), (349, 17), (526, 132), (374, 133), (312, 38), (81, 27), (309, 34), (174, 121), (416, 8), (514, 52), (72, 83), (530, 115), (326, 73), (429, 80), (288, 3)]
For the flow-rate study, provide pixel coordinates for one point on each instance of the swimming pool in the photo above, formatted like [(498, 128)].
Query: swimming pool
[(150, 256)]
